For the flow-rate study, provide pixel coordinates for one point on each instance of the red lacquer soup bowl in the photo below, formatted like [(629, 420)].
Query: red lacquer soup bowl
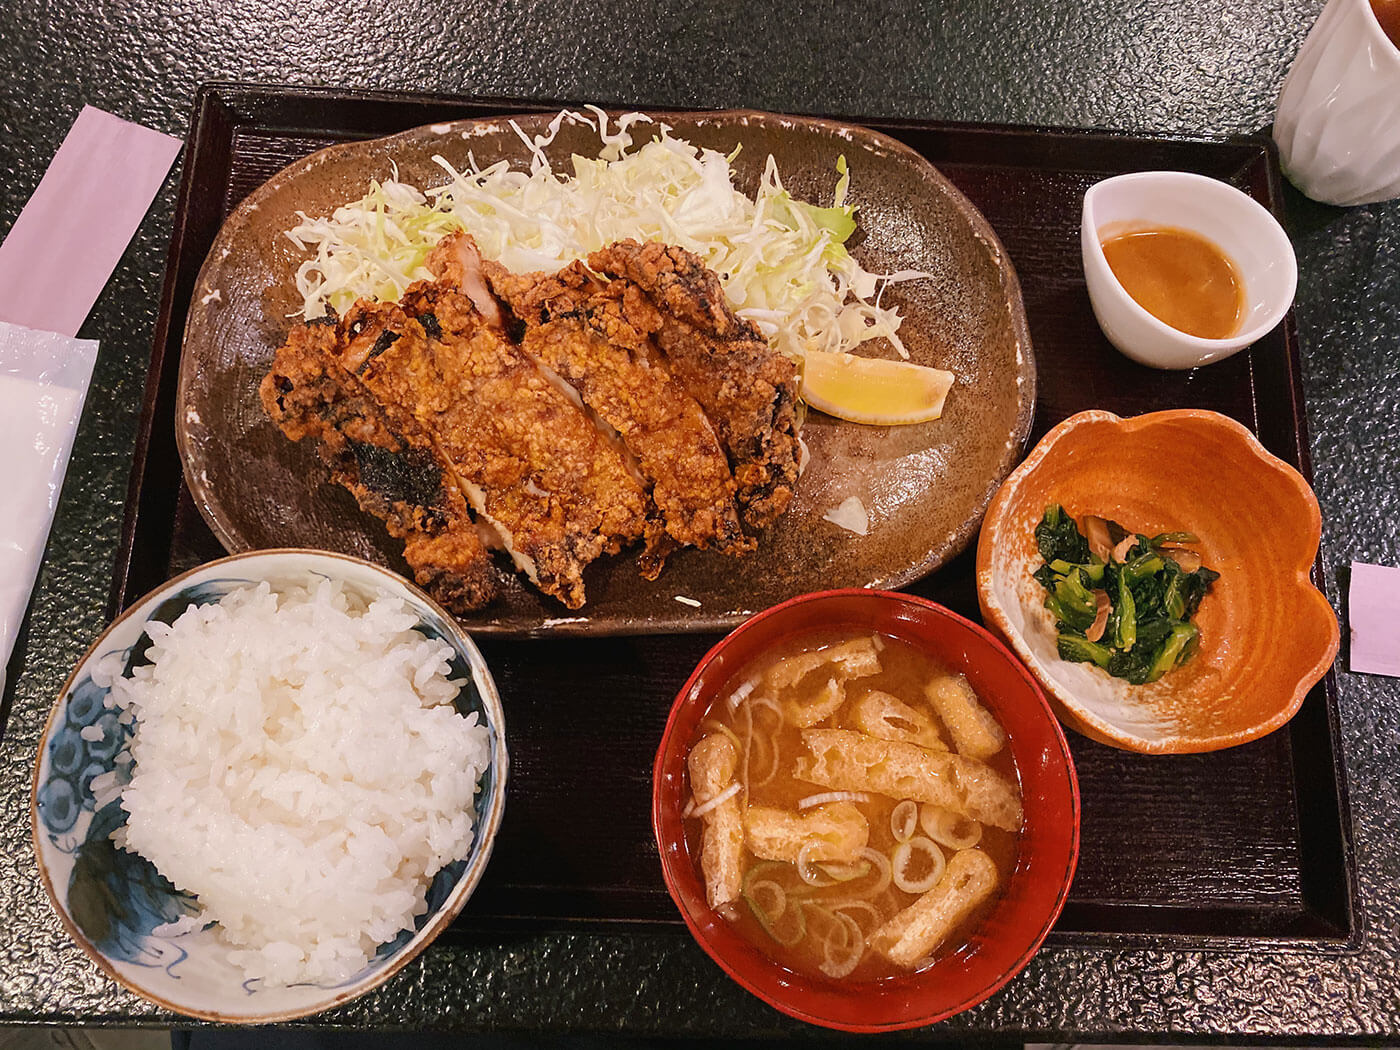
[(1007, 936)]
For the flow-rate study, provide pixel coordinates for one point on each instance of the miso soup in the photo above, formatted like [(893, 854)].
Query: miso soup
[(855, 811)]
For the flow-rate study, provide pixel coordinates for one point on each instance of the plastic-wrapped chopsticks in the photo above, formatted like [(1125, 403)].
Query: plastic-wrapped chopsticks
[(43, 381)]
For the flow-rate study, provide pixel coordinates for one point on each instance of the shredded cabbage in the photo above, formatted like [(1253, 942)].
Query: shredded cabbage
[(782, 262)]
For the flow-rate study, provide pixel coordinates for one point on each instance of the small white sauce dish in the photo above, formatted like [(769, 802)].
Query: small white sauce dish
[(1234, 222)]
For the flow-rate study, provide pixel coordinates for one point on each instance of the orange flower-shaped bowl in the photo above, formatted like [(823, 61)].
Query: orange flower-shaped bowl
[(1267, 634)]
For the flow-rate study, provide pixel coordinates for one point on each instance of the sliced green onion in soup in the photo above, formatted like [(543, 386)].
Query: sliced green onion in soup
[(832, 796), (948, 828), (767, 888), (839, 961), (904, 820), (808, 870), (864, 907), (904, 858), (884, 874), (845, 872)]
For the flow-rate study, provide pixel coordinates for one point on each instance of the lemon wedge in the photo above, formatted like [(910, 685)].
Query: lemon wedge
[(871, 390)]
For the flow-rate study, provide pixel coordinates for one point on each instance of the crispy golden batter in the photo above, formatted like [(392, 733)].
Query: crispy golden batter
[(531, 463), (749, 390), (386, 460), (596, 336), (597, 411)]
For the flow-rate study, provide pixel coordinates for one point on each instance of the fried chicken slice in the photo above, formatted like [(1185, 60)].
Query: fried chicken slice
[(456, 262), (530, 462), (748, 390), (386, 461), (595, 335)]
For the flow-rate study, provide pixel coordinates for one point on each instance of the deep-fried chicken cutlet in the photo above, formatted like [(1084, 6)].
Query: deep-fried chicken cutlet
[(613, 401), (386, 461), (595, 335), (529, 460), (748, 390)]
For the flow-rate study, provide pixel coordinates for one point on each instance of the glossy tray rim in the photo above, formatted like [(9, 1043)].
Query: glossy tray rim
[(144, 529)]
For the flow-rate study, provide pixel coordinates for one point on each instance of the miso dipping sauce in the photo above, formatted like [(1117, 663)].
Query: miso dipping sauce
[(1180, 278)]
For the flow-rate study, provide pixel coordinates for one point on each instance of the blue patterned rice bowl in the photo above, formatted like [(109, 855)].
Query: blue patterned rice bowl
[(139, 928)]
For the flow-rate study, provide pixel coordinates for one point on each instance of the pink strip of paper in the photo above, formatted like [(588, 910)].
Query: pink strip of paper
[(1373, 607), (70, 236)]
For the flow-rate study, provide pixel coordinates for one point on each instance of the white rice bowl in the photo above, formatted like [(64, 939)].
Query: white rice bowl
[(396, 786), (300, 769)]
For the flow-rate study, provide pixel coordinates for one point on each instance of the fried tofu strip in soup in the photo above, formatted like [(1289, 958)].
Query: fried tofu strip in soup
[(836, 831), (712, 764), (879, 714), (974, 731), (858, 658), (847, 761), (916, 932)]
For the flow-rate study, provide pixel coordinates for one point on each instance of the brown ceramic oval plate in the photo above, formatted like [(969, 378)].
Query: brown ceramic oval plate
[(925, 486)]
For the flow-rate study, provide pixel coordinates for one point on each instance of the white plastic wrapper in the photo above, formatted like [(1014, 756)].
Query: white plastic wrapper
[(43, 381)]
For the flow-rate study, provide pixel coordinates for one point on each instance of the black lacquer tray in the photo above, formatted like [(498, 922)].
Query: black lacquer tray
[(1246, 847)]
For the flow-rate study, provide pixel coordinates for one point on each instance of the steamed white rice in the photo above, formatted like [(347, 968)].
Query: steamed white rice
[(300, 769)]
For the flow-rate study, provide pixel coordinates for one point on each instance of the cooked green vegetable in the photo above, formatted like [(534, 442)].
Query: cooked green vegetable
[(1143, 566), (1173, 537), (1074, 602), (1059, 538), (1124, 614), (1130, 616), (1094, 570), (1079, 649), (1173, 650)]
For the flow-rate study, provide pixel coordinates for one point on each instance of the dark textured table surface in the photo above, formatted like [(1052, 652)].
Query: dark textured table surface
[(1155, 66)]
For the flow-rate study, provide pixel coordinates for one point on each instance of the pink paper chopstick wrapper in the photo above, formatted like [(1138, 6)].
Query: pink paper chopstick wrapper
[(54, 264), (1373, 607), (69, 238)]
